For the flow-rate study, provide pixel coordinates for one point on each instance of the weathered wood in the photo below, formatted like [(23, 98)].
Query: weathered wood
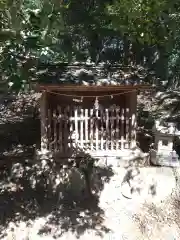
[(49, 124), (112, 128), (102, 128), (60, 127), (107, 129), (65, 129), (86, 126), (71, 128), (55, 130), (117, 128), (97, 128), (76, 123), (127, 126), (44, 121), (81, 133), (93, 89), (133, 105), (122, 128)]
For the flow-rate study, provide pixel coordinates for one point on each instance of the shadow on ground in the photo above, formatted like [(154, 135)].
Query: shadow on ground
[(53, 190), (136, 185), (32, 188)]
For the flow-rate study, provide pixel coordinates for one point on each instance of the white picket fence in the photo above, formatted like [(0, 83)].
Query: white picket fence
[(95, 129)]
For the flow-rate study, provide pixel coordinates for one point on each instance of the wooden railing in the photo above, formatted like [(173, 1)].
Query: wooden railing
[(93, 129)]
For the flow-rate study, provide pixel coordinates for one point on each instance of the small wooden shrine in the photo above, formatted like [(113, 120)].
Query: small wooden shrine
[(98, 119)]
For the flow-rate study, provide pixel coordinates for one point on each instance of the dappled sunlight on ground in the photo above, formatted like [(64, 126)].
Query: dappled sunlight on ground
[(33, 209), (44, 199)]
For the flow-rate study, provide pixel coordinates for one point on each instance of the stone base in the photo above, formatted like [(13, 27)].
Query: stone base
[(126, 158), (164, 159), (123, 158)]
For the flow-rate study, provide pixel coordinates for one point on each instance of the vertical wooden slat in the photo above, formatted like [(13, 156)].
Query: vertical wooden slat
[(122, 128), (133, 141), (133, 105), (65, 130), (97, 130), (111, 128), (76, 124), (107, 128), (117, 128), (68, 113), (44, 122), (60, 127), (102, 128), (55, 129), (86, 126), (91, 129), (51, 129), (71, 139), (130, 119), (81, 127), (49, 126), (127, 127)]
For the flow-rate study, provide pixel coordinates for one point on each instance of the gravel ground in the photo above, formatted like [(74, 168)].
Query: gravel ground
[(139, 215)]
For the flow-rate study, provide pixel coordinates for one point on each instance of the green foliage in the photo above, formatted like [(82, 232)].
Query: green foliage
[(174, 54), (138, 19), (30, 29), (128, 32)]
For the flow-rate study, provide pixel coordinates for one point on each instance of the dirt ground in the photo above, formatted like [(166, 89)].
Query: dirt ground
[(150, 213), (129, 203)]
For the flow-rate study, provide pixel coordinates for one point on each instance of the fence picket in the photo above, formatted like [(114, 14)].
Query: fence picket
[(55, 129), (76, 123), (102, 128), (127, 126), (65, 130), (112, 127), (86, 125), (107, 129), (117, 128), (60, 127), (97, 129), (91, 129), (122, 128), (49, 126), (133, 134), (71, 129), (81, 128)]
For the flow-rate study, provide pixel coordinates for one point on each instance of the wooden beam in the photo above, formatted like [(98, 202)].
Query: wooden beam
[(79, 88)]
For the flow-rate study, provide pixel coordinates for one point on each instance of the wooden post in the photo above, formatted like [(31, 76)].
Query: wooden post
[(133, 123), (44, 121), (60, 127)]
